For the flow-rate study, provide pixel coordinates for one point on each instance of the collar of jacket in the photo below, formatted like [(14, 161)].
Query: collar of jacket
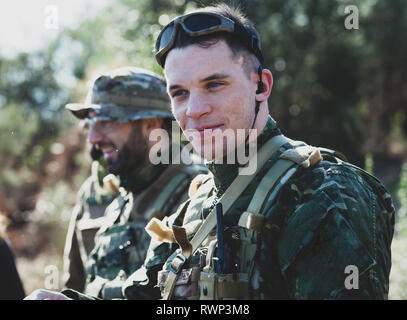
[(224, 173)]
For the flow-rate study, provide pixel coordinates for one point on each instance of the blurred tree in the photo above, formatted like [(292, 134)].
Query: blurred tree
[(385, 75), (316, 63)]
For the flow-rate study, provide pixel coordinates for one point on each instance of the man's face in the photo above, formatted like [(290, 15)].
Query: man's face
[(209, 90), (122, 144)]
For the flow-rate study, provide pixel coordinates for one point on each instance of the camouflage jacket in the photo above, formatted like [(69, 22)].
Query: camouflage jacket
[(86, 219), (324, 219), (121, 243)]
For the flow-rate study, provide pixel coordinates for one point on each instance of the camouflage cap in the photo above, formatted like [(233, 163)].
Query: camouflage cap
[(125, 94)]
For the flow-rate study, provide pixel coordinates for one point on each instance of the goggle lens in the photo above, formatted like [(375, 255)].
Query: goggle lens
[(200, 22), (166, 36)]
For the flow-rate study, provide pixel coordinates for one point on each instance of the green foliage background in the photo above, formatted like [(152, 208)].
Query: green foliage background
[(333, 87)]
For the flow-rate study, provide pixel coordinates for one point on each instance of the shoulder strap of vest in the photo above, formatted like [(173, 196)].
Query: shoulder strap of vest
[(301, 155), (334, 153)]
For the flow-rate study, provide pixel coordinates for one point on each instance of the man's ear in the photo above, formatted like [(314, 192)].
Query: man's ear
[(265, 91), (148, 125)]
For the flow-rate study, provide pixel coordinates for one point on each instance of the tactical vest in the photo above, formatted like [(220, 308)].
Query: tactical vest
[(238, 278), (121, 244)]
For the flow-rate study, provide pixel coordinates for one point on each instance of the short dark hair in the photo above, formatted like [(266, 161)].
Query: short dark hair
[(250, 61)]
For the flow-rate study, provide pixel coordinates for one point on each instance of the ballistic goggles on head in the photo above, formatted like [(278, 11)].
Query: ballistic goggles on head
[(204, 23)]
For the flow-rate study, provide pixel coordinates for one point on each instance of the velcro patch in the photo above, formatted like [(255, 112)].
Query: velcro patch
[(156, 229), (306, 156)]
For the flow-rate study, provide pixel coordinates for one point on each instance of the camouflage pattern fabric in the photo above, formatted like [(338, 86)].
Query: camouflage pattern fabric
[(126, 94), (121, 243), (324, 219), (87, 217)]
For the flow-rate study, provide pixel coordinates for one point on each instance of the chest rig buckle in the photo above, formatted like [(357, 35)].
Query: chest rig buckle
[(178, 263)]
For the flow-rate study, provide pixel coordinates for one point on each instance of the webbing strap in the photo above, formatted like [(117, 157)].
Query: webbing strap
[(269, 181), (274, 179), (228, 198), (277, 175), (181, 237)]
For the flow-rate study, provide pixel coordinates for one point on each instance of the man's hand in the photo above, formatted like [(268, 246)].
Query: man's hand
[(41, 294)]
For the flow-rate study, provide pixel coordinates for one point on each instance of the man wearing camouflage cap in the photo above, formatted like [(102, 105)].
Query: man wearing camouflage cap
[(124, 107)]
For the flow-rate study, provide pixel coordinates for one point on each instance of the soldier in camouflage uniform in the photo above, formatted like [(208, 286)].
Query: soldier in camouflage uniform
[(125, 105), (86, 219), (130, 95), (292, 230)]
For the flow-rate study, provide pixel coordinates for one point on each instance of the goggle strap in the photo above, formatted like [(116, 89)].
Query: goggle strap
[(251, 41)]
